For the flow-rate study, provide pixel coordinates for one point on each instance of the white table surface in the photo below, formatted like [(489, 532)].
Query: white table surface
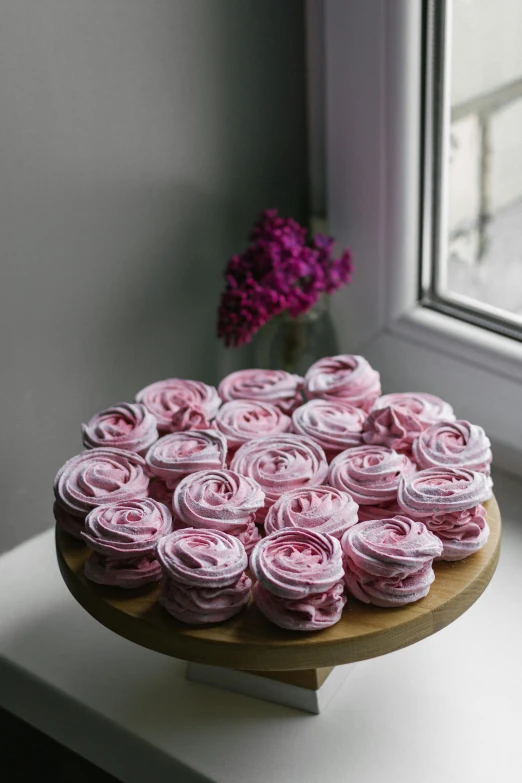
[(446, 710)]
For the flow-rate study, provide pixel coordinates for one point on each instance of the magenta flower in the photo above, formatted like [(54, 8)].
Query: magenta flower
[(280, 270)]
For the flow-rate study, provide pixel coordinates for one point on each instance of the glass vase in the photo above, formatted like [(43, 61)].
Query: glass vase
[(293, 344)]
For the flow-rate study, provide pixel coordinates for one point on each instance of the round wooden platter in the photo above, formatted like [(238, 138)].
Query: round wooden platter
[(250, 642)]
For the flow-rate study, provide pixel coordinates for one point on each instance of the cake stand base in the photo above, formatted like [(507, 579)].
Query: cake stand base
[(309, 690)]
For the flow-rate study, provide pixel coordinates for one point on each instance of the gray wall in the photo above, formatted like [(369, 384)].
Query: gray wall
[(138, 140)]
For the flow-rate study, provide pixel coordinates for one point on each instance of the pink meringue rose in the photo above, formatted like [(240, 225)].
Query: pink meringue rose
[(176, 455), (313, 613), (441, 491), (127, 528), (127, 572), (426, 407), (125, 426), (100, 476), (279, 463), (323, 509), (456, 444), (220, 500), (242, 420), (201, 605), (202, 558), (370, 474), (346, 378), (334, 426), (294, 562), (164, 399), (189, 417), (389, 562), (274, 386), (71, 524), (392, 427), (461, 532)]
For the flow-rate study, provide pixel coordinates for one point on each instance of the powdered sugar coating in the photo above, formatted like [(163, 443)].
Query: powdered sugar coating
[(242, 420), (176, 455), (279, 463), (323, 509), (294, 562), (333, 426), (392, 427), (127, 426), (389, 562), (345, 378), (370, 474), (441, 491), (428, 408), (127, 528), (164, 399), (274, 386), (100, 476), (456, 444), (202, 558), (462, 533)]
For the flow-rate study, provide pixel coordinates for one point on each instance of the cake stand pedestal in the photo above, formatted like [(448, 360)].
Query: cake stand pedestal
[(266, 661)]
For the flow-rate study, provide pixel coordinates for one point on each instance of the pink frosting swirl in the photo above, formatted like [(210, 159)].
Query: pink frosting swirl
[(323, 509), (100, 476), (461, 532), (127, 528), (392, 427), (441, 491), (242, 420), (370, 474), (279, 463), (176, 455), (312, 613), (426, 407), (389, 562), (164, 399), (125, 426), (218, 499), (334, 426), (275, 386), (346, 378), (201, 605), (456, 444), (127, 573), (294, 562), (202, 558), (189, 417)]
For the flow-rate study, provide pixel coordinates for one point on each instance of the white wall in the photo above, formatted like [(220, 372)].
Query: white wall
[(138, 140)]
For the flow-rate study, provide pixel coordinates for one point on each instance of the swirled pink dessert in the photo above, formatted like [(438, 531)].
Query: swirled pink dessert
[(370, 474), (165, 398), (426, 407), (127, 573), (392, 427), (242, 420), (453, 444), (204, 579), (96, 477), (189, 417), (346, 379), (299, 579), (128, 528), (274, 386), (333, 426), (462, 533), (220, 500), (127, 426), (279, 463), (176, 455), (389, 562), (441, 491), (322, 509)]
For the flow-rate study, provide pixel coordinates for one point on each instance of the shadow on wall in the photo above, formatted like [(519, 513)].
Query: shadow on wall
[(135, 152)]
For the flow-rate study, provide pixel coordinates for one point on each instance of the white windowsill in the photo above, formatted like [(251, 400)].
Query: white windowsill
[(449, 706)]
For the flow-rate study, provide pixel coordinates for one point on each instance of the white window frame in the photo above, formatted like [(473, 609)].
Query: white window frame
[(366, 57)]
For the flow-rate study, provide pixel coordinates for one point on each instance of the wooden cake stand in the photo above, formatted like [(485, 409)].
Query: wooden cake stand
[(284, 666)]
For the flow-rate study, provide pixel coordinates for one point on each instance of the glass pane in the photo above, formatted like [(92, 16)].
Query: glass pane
[(484, 218)]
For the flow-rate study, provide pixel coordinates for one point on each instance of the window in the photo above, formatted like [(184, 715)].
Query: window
[(378, 178), (473, 161)]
